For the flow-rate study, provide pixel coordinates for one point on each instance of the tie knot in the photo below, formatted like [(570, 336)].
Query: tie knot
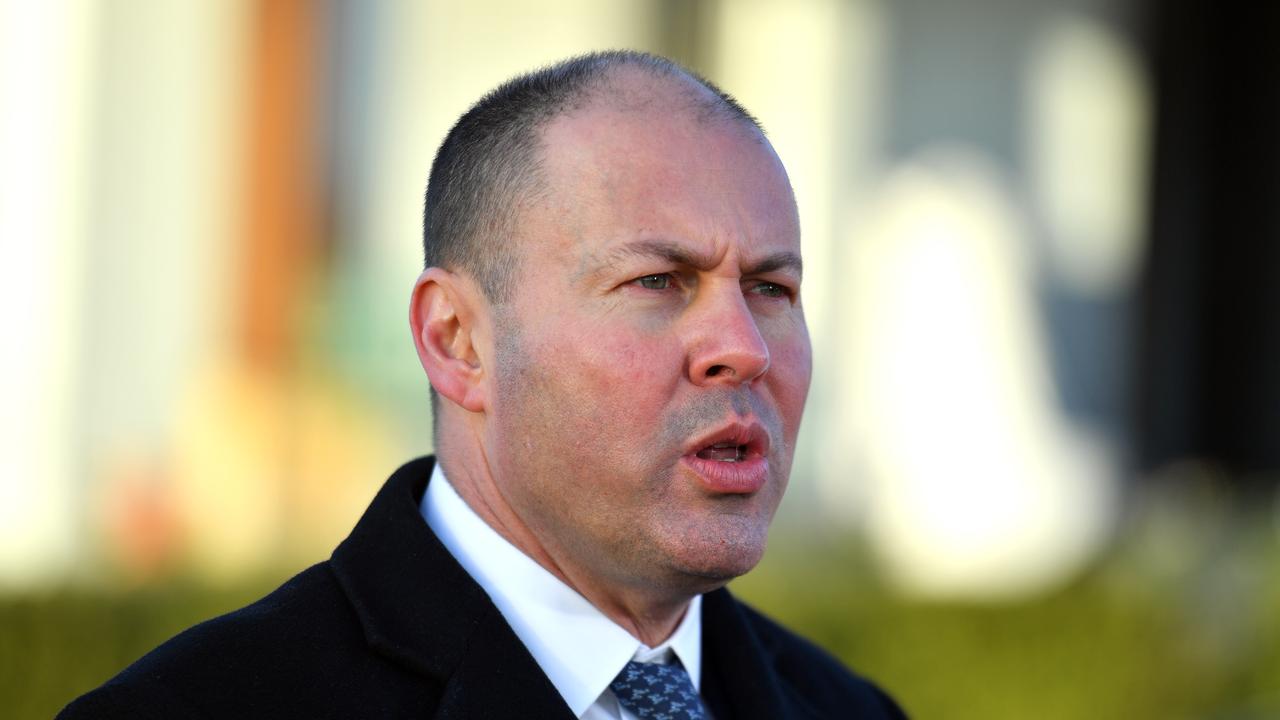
[(657, 692)]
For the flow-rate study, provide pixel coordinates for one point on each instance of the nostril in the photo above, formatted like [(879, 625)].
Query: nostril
[(715, 370)]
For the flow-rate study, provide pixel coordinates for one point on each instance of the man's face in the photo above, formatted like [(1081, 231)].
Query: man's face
[(653, 360)]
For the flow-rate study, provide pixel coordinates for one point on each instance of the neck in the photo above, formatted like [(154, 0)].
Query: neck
[(650, 618), (648, 614)]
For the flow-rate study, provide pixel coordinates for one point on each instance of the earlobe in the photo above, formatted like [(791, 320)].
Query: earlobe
[(442, 317)]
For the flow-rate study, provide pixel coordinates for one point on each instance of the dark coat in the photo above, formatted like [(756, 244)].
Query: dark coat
[(393, 627)]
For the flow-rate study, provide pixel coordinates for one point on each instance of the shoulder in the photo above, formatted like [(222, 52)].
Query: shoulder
[(136, 699), (813, 677), (256, 659)]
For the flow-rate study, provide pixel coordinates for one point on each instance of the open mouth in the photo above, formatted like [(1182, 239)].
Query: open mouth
[(732, 443), (730, 460), (724, 452)]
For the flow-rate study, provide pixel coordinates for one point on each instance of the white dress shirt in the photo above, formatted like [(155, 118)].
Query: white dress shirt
[(577, 646)]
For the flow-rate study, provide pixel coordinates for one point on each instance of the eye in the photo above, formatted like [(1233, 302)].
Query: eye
[(660, 281), (773, 290)]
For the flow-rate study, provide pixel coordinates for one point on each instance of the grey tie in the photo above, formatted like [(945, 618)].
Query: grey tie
[(657, 692)]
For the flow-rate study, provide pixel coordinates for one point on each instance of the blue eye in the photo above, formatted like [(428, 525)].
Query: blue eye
[(655, 282)]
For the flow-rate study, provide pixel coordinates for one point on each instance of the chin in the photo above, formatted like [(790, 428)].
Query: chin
[(718, 562)]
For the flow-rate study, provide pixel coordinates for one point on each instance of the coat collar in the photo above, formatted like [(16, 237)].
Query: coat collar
[(739, 677), (419, 608)]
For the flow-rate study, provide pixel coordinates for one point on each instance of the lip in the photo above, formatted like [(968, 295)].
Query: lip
[(743, 477)]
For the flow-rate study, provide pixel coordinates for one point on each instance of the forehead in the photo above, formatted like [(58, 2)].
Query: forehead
[(655, 165)]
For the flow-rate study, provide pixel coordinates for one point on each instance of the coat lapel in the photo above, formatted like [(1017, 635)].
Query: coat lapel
[(420, 608), (499, 679)]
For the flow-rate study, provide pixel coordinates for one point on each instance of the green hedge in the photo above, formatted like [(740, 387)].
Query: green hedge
[(1134, 637), (55, 646)]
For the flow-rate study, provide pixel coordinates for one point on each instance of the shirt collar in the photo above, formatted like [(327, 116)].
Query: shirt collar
[(577, 646)]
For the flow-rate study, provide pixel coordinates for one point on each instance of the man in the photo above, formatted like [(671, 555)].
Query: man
[(610, 319)]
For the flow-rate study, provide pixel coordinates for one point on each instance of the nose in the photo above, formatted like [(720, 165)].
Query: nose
[(727, 346)]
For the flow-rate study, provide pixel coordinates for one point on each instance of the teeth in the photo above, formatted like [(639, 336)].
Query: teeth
[(723, 452)]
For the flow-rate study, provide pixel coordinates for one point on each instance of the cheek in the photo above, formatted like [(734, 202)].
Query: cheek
[(636, 373), (790, 371), (618, 376)]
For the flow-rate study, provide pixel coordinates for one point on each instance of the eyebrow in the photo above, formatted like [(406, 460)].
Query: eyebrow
[(680, 255)]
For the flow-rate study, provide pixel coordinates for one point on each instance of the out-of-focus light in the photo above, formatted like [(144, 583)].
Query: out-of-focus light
[(1086, 137), (45, 56), (977, 485), (270, 473), (776, 57)]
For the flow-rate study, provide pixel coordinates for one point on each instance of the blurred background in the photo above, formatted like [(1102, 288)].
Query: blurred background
[(1038, 472)]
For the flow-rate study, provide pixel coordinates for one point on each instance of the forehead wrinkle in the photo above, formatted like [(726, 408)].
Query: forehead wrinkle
[(663, 250), (681, 255), (784, 260)]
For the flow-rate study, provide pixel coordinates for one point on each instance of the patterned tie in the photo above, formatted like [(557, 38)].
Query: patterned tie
[(657, 692)]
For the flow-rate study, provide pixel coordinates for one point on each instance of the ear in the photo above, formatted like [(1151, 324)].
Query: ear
[(443, 313)]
